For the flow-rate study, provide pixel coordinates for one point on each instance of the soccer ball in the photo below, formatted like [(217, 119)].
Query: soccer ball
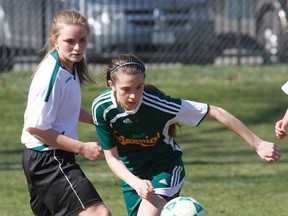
[(183, 206)]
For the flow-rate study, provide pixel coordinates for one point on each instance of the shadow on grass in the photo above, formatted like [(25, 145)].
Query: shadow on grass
[(226, 162), (12, 151), (10, 166), (271, 115), (11, 159), (240, 180)]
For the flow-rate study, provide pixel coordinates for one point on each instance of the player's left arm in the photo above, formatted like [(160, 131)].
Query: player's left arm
[(268, 151)]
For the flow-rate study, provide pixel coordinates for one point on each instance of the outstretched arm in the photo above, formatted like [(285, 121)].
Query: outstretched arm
[(268, 151), (281, 126)]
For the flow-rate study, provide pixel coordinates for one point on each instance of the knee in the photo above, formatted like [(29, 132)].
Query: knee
[(96, 210), (101, 210), (104, 212)]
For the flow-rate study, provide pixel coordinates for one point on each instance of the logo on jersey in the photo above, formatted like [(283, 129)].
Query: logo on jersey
[(127, 120), (67, 80), (146, 142), (163, 181)]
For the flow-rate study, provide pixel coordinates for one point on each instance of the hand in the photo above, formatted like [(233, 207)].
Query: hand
[(91, 151), (268, 151), (280, 131), (144, 188)]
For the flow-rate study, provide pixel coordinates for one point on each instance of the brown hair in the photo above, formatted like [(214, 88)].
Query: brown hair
[(131, 65), (63, 18), (128, 64)]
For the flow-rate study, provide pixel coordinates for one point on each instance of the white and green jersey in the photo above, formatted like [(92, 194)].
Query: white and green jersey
[(141, 135), (54, 101)]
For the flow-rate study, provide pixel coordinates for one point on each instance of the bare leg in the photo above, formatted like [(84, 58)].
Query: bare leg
[(151, 206), (98, 209)]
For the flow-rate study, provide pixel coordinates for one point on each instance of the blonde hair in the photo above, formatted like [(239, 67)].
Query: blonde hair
[(61, 19)]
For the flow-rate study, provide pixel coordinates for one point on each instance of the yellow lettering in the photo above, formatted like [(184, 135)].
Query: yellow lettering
[(147, 142)]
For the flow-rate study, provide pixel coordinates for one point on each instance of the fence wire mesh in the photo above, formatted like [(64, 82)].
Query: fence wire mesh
[(158, 31)]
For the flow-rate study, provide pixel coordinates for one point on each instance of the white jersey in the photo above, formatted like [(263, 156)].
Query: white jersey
[(54, 102)]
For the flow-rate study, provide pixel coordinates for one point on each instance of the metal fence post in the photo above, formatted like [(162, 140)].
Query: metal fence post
[(82, 9), (82, 6), (44, 37), (238, 36)]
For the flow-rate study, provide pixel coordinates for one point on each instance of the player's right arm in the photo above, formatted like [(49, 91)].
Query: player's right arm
[(268, 151), (90, 150), (144, 187)]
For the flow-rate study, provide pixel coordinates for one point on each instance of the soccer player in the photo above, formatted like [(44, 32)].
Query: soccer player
[(282, 125), (136, 125), (57, 185)]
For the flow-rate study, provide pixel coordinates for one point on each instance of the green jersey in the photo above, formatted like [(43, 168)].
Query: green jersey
[(141, 135)]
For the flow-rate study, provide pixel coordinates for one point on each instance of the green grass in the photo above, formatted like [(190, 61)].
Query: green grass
[(223, 172)]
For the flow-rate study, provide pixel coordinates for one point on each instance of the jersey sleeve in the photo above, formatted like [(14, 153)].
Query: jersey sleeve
[(105, 137), (285, 88), (186, 111), (103, 129), (192, 113), (42, 114)]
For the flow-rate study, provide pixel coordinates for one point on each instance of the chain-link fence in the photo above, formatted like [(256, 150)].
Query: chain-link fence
[(158, 31)]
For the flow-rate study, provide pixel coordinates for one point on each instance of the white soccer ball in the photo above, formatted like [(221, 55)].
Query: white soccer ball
[(183, 206)]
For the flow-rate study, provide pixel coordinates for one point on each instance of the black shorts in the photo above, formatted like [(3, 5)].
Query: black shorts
[(56, 183)]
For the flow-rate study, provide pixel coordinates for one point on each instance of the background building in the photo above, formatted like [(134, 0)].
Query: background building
[(158, 31)]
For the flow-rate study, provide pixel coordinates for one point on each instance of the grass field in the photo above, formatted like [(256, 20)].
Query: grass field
[(223, 172)]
